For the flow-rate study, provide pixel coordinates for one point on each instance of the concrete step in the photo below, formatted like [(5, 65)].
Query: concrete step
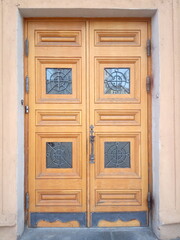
[(88, 234)]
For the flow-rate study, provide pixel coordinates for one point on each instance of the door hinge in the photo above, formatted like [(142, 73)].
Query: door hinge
[(27, 201), (26, 47), (27, 84), (26, 109), (148, 84), (149, 200), (148, 47)]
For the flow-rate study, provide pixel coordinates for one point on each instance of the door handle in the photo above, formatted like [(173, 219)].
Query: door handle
[(92, 138)]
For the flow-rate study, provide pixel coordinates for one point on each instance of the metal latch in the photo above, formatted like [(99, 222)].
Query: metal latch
[(26, 109)]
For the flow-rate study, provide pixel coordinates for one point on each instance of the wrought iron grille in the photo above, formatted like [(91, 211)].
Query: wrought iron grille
[(59, 154), (117, 154), (58, 80), (116, 80)]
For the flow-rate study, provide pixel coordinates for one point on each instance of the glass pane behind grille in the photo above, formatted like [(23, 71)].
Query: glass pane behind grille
[(117, 80), (59, 154), (117, 154), (58, 80)]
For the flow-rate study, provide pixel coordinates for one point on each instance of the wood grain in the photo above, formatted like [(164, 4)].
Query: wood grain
[(119, 223), (58, 224), (119, 117), (56, 117), (118, 197), (58, 38), (123, 38)]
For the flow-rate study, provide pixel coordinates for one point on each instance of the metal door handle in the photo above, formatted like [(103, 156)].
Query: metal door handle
[(92, 138)]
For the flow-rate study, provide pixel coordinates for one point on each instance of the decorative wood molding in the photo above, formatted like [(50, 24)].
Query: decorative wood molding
[(113, 219), (75, 219)]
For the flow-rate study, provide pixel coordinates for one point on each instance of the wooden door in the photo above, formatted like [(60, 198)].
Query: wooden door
[(118, 112), (57, 122), (86, 72)]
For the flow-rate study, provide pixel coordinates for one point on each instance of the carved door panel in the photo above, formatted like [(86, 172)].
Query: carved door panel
[(57, 123), (82, 73), (118, 111)]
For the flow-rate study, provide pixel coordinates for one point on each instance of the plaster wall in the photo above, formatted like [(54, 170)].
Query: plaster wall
[(155, 120), (165, 101), (20, 124)]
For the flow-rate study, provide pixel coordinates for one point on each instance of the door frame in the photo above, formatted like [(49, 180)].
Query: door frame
[(149, 104)]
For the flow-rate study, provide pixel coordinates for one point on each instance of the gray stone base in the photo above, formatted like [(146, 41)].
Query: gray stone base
[(133, 233)]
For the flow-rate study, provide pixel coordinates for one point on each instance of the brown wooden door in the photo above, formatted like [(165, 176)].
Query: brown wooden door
[(118, 110), (82, 73)]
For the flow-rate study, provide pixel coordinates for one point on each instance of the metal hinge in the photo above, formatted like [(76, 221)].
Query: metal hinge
[(149, 199), (27, 201), (27, 84), (148, 47), (26, 47), (148, 84), (26, 109)]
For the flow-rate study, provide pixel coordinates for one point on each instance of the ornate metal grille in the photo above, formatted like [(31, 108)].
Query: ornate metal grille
[(58, 80), (59, 154), (117, 154), (116, 80)]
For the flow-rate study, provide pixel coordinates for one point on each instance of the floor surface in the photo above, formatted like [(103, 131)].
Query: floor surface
[(88, 234)]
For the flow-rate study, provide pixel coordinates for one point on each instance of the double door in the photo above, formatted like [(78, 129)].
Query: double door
[(87, 131)]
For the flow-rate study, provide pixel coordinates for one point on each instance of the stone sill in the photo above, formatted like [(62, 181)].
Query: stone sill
[(7, 220)]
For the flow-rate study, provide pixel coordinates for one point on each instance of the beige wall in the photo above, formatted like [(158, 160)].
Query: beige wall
[(165, 98), (8, 108)]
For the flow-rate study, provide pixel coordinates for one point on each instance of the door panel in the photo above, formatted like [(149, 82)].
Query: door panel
[(118, 111), (87, 72), (50, 70), (112, 145), (106, 70), (57, 122)]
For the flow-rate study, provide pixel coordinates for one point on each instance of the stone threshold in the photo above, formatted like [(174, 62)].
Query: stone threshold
[(128, 233)]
